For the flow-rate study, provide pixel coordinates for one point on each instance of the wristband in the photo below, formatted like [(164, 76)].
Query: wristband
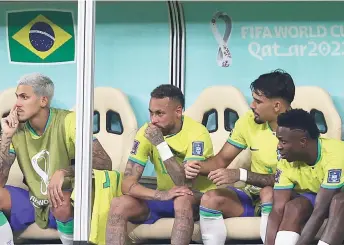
[(164, 151), (243, 174)]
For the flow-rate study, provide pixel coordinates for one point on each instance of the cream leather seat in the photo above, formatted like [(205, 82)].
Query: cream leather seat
[(221, 102), (317, 100), (117, 124), (7, 100)]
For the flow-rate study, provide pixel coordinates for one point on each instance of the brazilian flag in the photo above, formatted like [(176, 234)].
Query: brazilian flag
[(41, 36)]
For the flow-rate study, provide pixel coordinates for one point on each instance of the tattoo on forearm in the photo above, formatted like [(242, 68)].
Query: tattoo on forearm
[(101, 159), (176, 171), (260, 180), (69, 171), (6, 158), (160, 195), (182, 228), (116, 230)]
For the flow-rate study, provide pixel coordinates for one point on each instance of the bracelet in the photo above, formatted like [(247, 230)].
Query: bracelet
[(164, 151), (243, 174)]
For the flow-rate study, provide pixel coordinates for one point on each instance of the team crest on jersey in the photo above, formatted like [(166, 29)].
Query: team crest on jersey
[(334, 175), (197, 148), (277, 175), (135, 147)]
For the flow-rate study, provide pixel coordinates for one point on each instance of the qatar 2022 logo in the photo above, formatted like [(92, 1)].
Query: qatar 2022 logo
[(40, 36)]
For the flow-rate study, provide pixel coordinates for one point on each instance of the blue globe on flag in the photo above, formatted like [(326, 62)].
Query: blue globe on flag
[(42, 36)]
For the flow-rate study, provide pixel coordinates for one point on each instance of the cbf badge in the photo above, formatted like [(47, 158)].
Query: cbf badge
[(334, 175), (135, 147), (197, 148), (277, 175)]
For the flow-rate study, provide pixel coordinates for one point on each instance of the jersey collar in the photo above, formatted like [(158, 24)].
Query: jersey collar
[(319, 151), (45, 127), (170, 135)]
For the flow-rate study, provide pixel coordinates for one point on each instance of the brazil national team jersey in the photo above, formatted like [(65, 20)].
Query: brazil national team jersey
[(262, 142), (326, 173), (192, 142)]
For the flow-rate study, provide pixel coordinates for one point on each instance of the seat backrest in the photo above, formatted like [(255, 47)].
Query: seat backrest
[(115, 124), (7, 101), (318, 101), (218, 108)]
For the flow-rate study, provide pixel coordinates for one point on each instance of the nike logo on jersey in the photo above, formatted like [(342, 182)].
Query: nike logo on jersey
[(253, 149)]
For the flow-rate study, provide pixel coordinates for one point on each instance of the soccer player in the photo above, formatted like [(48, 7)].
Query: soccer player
[(309, 177), (272, 94), (169, 140), (42, 139)]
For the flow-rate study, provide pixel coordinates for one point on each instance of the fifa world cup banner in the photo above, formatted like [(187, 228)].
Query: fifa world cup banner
[(40, 37)]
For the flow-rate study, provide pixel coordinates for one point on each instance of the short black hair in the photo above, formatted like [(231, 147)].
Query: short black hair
[(168, 91), (299, 119), (276, 84)]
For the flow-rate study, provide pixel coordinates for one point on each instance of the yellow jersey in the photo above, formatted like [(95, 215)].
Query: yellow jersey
[(192, 142), (326, 173), (262, 142)]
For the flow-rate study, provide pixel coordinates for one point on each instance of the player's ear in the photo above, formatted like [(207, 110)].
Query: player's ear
[(303, 142), (179, 111), (44, 101), (277, 106)]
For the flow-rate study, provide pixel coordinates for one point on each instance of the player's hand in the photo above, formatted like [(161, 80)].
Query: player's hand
[(176, 191), (9, 124), (192, 169), (154, 134), (55, 194), (224, 176)]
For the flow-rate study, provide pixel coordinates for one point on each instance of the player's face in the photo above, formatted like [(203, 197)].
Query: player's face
[(28, 103), (164, 113), (263, 108), (290, 143)]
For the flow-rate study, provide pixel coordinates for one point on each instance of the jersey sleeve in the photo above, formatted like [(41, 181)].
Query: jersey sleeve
[(333, 173), (11, 150), (70, 129), (200, 148), (237, 135), (141, 148), (282, 177)]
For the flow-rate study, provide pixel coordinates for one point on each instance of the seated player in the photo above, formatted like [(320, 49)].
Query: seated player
[(272, 94), (169, 140), (42, 139), (308, 182)]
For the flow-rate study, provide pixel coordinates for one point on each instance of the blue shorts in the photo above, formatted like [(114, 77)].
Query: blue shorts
[(309, 195), (158, 210), (22, 211), (246, 202)]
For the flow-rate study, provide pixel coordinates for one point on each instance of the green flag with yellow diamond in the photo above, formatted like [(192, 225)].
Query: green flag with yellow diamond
[(41, 36)]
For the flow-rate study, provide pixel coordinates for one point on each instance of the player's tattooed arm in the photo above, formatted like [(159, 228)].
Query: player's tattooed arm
[(260, 180), (176, 172), (101, 159), (6, 158)]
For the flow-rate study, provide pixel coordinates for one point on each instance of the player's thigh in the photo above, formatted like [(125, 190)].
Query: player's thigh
[(131, 208), (225, 200), (17, 207)]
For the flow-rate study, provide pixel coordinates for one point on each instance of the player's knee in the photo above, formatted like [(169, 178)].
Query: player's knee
[(212, 199), (337, 202), (65, 211), (5, 200), (266, 194), (183, 203), (294, 210), (121, 205)]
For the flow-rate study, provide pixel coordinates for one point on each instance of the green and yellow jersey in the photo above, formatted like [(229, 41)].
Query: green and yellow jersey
[(192, 142), (326, 173)]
